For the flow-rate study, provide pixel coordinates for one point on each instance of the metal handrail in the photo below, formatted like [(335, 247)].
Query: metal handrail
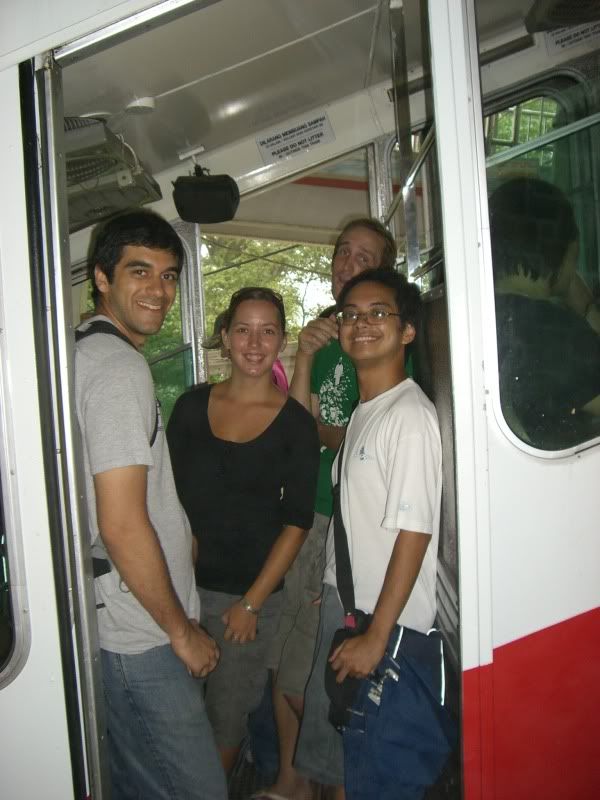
[(419, 161)]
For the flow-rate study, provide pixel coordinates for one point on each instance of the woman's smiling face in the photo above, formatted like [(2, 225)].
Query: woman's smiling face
[(254, 337)]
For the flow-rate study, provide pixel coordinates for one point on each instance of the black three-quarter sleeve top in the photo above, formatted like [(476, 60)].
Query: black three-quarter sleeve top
[(238, 496)]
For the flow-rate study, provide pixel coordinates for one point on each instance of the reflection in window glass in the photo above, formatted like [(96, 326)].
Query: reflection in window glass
[(521, 123), (548, 346)]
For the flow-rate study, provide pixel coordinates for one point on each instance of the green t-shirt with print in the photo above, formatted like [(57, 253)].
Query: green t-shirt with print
[(333, 380)]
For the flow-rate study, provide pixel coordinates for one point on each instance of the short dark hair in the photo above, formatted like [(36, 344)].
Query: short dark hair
[(254, 293), (139, 227), (407, 295), (388, 257), (531, 226)]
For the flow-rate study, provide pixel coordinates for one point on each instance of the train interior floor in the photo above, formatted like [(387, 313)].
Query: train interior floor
[(245, 780)]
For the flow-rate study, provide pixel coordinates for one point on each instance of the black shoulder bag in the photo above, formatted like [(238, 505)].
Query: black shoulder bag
[(342, 695)]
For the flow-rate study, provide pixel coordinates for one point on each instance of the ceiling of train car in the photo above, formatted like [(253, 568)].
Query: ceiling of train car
[(275, 61), (211, 88), (238, 67)]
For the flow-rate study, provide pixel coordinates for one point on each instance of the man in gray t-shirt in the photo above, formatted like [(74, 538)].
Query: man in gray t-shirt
[(160, 741)]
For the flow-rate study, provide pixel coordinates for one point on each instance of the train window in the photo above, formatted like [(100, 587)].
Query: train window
[(544, 236), (299, 271), (521, 123)]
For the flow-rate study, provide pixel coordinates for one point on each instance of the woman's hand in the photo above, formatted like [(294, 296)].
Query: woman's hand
[(240, 625)]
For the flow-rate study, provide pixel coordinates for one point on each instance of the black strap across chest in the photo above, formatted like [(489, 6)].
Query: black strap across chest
[(343, 568), (102, 326)]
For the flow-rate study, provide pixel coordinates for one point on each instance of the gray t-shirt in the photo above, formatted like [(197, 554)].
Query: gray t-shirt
[(116, 409)]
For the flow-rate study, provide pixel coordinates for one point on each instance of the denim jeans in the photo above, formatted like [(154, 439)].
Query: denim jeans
[(399, 735), (161, 745)]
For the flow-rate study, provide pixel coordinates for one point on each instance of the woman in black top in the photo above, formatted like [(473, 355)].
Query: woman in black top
[(245, 460)]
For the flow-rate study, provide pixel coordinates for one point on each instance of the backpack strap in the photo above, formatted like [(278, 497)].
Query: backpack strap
[(103, 326)]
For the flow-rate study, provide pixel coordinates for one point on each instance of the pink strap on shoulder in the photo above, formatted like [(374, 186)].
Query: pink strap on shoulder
[(279, 377)]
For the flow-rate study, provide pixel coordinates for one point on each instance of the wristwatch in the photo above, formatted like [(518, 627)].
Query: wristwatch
[(248, 606)]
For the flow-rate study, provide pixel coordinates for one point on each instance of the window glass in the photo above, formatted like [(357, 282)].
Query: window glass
[(170, 360), (544, 235), (173, 373), (521, 123)]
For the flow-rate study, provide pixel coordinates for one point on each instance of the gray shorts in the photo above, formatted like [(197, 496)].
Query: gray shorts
[(293, 648), (236, 685), (320, 754)]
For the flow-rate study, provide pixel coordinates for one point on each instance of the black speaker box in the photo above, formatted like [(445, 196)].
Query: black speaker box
[(206, 198)]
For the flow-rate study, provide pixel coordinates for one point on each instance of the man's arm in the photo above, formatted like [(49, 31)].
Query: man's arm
[(359, 656), (311, 339), (134, 549)]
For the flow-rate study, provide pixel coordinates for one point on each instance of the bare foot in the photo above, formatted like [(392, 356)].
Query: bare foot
[(298, 788)]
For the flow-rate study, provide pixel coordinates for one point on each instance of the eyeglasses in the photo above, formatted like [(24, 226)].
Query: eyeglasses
[(373, 316)]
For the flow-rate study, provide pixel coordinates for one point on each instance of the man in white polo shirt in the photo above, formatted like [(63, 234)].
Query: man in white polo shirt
[(390, 496)]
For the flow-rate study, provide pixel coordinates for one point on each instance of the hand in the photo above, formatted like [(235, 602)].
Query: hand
[(317, 334), (197, 650), (357, 657), (240, 625)]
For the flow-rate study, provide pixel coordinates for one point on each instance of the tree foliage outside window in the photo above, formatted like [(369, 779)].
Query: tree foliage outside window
[(521, 123), (300, 273)]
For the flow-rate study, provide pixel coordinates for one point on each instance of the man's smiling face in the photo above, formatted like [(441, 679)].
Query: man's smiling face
[(142, 291), (366, 340), (357, 250)]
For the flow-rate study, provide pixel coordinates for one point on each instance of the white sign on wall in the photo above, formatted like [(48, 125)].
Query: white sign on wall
[(570, 36), (298, 137)]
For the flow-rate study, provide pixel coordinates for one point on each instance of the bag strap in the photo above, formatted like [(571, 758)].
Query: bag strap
[(103, 326), (343, 568)]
